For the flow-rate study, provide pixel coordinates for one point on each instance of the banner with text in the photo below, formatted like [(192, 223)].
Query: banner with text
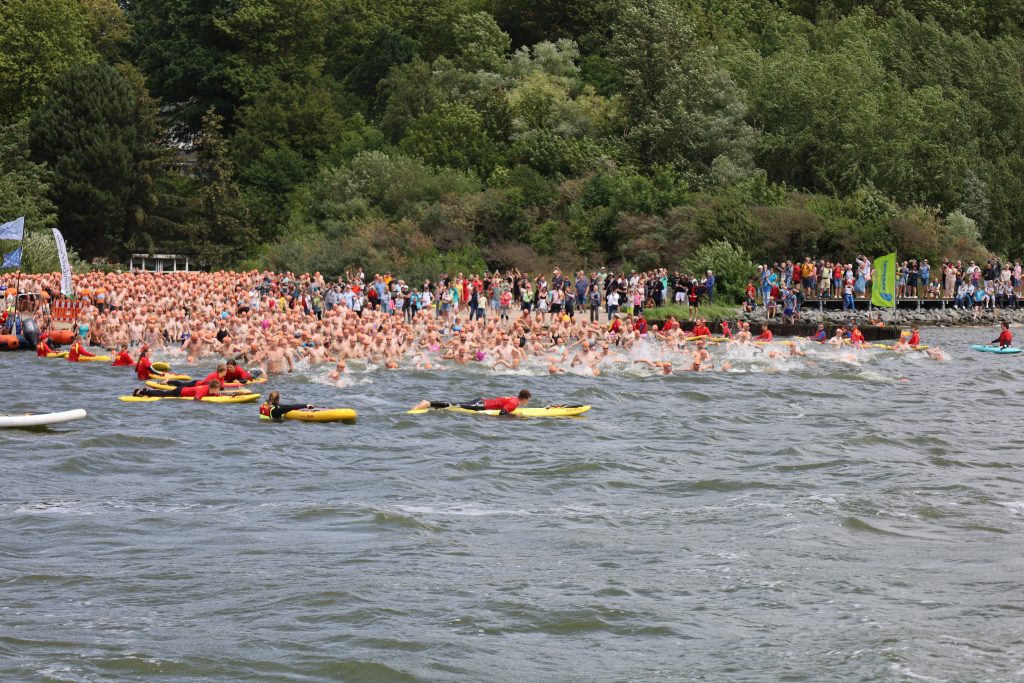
[(66, 288), (883, 282)]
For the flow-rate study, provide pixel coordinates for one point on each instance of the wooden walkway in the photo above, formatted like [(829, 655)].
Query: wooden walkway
[(865, 304)]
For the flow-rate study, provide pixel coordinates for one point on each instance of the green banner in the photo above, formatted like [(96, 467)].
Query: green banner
[(883, 282)]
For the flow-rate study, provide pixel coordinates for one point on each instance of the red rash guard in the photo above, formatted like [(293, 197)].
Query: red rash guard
[(856, 337), (77, 352), (506, 403), (700, 331), (42, 349), (1005, 338), (123, 359), (144, 368), (915, 339), (197, 392), (238, 375), (764, 336), (212, 376)]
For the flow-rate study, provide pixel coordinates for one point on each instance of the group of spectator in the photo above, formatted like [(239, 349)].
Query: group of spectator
[(788, 284)]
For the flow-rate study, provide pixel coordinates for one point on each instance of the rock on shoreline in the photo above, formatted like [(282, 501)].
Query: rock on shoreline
[(950, 317)]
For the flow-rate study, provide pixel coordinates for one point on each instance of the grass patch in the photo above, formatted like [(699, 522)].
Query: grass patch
[(713, 312)]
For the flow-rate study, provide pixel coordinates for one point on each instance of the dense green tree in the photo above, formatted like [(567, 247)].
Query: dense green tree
[(452, 135), (24, 183), (107, 28), (186, 56), (533, 21), (224, 227), (680, 106), (93, 132), (422, 133), (39, 40), (480, 43), (277, 40), (389, 48)]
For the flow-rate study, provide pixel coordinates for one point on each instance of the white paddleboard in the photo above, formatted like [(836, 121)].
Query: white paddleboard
[(40, 420)]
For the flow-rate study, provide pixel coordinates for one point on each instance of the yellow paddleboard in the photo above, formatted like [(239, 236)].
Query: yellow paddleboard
[(346, 415), (93, 359), (58, 354), (161, 366), (238, 398)]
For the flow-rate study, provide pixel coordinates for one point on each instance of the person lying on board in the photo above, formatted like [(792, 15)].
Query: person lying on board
[(198, 392), (505, 405), (272, 407), (219, 375), (235, 373)]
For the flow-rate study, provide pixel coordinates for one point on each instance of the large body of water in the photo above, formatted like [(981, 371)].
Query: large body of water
[(826, 520)]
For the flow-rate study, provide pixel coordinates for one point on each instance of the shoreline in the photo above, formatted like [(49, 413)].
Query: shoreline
[(891, 318)]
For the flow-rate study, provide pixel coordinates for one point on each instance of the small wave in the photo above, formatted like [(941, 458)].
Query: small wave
[(727, 486), (472, 465), (568, 468), (1015, 506), (812, 465), (404, 521), (857, 524), (358, 671), (55, 508)]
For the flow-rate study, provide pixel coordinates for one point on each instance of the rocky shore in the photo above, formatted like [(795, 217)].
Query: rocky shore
[(950, 317)]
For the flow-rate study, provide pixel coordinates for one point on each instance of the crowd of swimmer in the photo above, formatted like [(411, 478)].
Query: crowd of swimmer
[(788, 284), (502, 321)]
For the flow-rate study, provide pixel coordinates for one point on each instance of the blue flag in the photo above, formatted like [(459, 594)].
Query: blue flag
[(14, 230), (13, 259)]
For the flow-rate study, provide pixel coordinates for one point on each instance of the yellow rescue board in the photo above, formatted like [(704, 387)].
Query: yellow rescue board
[(346, 415), (547, 411), (239, 398)]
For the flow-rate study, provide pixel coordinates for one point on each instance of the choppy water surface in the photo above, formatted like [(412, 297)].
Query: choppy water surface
[(824, 520)]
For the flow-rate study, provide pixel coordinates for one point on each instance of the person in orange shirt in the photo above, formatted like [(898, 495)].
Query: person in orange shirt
[(100, 298)]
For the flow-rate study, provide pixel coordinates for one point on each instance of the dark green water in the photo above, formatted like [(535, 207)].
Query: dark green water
[(814, 522)]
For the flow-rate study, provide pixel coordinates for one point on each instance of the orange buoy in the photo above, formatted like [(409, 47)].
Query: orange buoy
[(61, 337), (9, 342)]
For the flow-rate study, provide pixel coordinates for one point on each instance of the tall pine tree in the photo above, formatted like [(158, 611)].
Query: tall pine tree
[(225, 228), (96, 138)]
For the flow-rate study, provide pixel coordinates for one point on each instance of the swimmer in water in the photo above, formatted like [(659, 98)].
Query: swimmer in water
[(663, 367)]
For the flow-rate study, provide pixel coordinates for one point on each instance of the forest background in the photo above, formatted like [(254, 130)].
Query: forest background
[(419, 136)]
